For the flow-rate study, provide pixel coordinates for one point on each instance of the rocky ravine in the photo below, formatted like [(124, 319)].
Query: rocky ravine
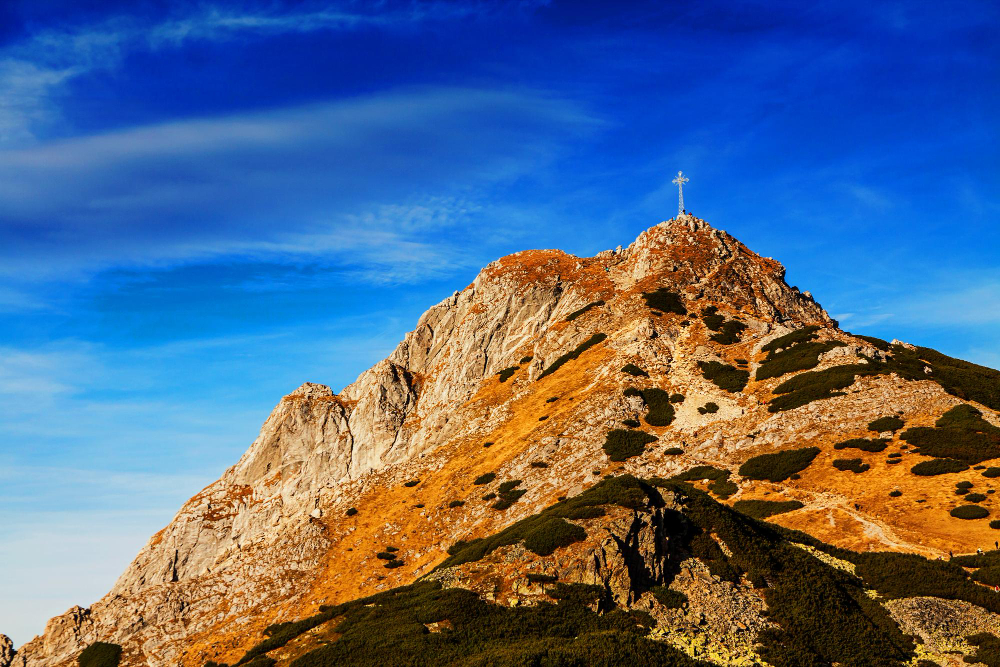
[(271, 538)]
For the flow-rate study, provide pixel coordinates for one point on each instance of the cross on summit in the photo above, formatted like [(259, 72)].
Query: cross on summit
[(679, 182)]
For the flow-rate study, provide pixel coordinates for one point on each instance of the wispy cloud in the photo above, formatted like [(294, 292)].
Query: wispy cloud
[(967, 300), (34, 71), (367, 173)]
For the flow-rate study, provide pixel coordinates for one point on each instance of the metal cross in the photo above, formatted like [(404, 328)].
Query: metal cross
[(679, 182)]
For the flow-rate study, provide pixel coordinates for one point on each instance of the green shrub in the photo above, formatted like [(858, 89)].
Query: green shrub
[(552, 533), (967, 381), (800, 357), (411, 483), (815, 385), (631, 423), (583, 594), (351, 511), (964, 484), (279, 634), (961, 433), (957, 377), (975, 497), (262, 661), (712, 319), (543, 418), (539, 464), (896, 575), (508, 494), (978, 560), (526, 359), (666, 301), (551, 399), (487, 444), (385, 555), (620, 444), (668, 597), (893, 461), (672, 451), (100, 654), (392, 630), (632, 391), (508, 499), (702, 472), (720, 485), (724, 376), (895, 493), (995, 524), (577, 313), (970, 512), (874, 445), (938, 467), (878, 343), (676, 398), (508, 486), (730, 334), (456, 503), (895, 455), (485, 478), (392, 549), (393, 564), (761, 509), (539, 578), (569, 356), (991, 472), (577, 513), (987, 649), (505, 500), (634, 370), (802, 335), (961, 492), (854, 465), (779, 466), (660, 411), (625, 491), (709, 408), (490, 496), (883, 424), (507, 372)]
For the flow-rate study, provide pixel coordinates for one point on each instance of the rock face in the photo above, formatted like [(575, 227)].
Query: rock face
[(271, 538), (6, 651)]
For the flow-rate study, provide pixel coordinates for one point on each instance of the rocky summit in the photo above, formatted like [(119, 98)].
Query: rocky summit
[(663, 454)]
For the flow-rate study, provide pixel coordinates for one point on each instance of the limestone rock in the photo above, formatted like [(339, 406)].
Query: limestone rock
[(6, 651)]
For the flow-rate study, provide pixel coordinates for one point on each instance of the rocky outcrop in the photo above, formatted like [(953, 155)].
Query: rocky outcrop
[(635, 554), (6, 651)]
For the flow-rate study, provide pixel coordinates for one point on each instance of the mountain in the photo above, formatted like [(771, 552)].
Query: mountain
[(682, 449)]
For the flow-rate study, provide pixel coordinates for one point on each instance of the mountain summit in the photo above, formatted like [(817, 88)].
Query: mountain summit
[(680, 448)]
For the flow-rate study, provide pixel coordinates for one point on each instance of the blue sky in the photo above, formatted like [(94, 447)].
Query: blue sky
[(203, 205)]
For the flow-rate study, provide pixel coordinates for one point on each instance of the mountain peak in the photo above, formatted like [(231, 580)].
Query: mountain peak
[(683, 357)]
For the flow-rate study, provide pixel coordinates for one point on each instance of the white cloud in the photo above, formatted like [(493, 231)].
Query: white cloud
[(363, 180), (968, 301), (34, 70)]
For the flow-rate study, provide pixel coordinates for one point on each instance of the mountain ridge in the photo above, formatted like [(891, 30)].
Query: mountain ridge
[(272, 538)]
